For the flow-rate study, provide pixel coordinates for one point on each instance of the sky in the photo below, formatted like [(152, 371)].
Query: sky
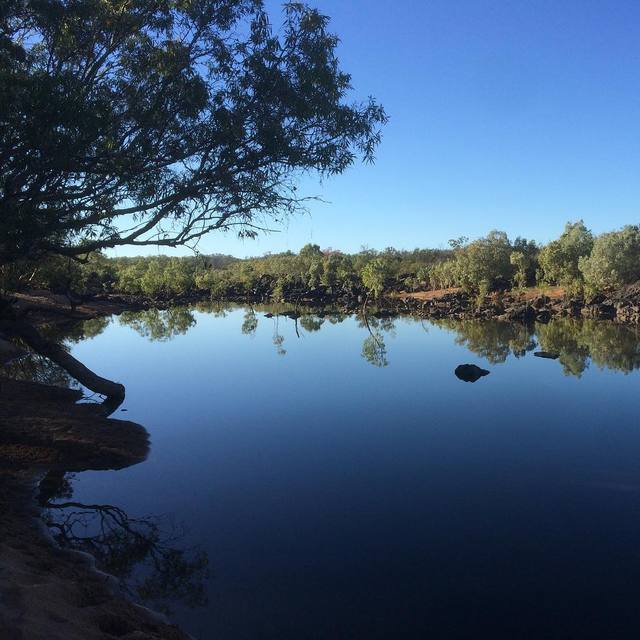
[(517, 116)]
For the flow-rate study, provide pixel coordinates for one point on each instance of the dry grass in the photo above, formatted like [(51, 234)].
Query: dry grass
[(551, 292), (435, 294), (529, 293)]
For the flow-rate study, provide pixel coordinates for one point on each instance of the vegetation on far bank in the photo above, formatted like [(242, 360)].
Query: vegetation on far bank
[(577, 261)]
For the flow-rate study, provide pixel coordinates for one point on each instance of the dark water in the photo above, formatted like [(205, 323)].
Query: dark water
[(344, 483)]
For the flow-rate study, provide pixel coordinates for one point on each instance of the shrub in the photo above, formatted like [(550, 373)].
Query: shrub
[(559, 260), (614, 260)]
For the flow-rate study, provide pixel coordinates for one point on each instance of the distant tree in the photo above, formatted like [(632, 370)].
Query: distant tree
[(559, 260), (525, 261), (485, 264), (310, 252), (152, 282), (614, 260), (375, 275)]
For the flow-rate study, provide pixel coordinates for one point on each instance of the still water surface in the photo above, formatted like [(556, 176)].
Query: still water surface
[(344, 483)]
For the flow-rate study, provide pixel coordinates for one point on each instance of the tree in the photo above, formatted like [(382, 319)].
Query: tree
[(614, 260), (375, 275), (525, 260), (156, 122), (485, 264), (559, 259)]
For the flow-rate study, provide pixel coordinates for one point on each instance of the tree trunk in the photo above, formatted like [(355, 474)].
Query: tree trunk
[(22, 329)]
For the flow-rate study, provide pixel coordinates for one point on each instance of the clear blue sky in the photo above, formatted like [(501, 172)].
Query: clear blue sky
[(517, 115)]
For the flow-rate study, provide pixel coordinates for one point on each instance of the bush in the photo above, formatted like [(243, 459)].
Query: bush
[(614, 260), (375, 275), (485, 264), (559, 260)]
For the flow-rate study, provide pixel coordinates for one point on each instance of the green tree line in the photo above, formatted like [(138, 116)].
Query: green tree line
[(578, 260)]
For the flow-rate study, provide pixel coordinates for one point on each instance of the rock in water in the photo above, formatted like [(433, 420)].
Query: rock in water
[(470, 372)]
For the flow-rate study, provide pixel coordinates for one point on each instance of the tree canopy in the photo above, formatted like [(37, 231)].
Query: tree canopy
[(559, 259), (157, 121)]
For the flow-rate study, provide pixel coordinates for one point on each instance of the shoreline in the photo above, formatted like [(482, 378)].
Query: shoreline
[(530, 305)]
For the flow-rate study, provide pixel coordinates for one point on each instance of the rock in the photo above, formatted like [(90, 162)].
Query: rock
[(470, 372), (540, 302), (598, 311), (551, 355), (544, 316), (520, 312)]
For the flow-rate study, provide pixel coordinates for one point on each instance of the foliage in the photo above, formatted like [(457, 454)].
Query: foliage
[(524, 259), (484, 264), (559, 260), (375, 276), (614, 260), (575, 260), (154, 123)]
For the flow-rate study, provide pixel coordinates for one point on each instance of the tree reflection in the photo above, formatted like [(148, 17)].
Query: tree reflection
[(492, 340), (159, 324), (374, 348), (142, 553), (249, 322), (278, 338), (34, 367), (561, 337), (311, 323), (579, 342)]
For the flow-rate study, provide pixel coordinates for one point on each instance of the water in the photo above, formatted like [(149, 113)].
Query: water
[(344, 483)]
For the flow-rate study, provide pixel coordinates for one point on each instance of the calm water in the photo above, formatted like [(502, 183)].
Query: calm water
[(344, 483)]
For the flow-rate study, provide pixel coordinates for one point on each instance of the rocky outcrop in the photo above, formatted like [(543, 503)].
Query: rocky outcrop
[(622, 306)]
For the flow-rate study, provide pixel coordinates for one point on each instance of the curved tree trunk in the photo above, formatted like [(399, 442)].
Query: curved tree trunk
[(22, 329)]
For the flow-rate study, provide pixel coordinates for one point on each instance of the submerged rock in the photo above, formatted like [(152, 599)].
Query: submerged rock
[(470, 372)]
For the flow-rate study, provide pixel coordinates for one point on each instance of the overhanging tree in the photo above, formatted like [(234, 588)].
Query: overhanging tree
[(155, 122)]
